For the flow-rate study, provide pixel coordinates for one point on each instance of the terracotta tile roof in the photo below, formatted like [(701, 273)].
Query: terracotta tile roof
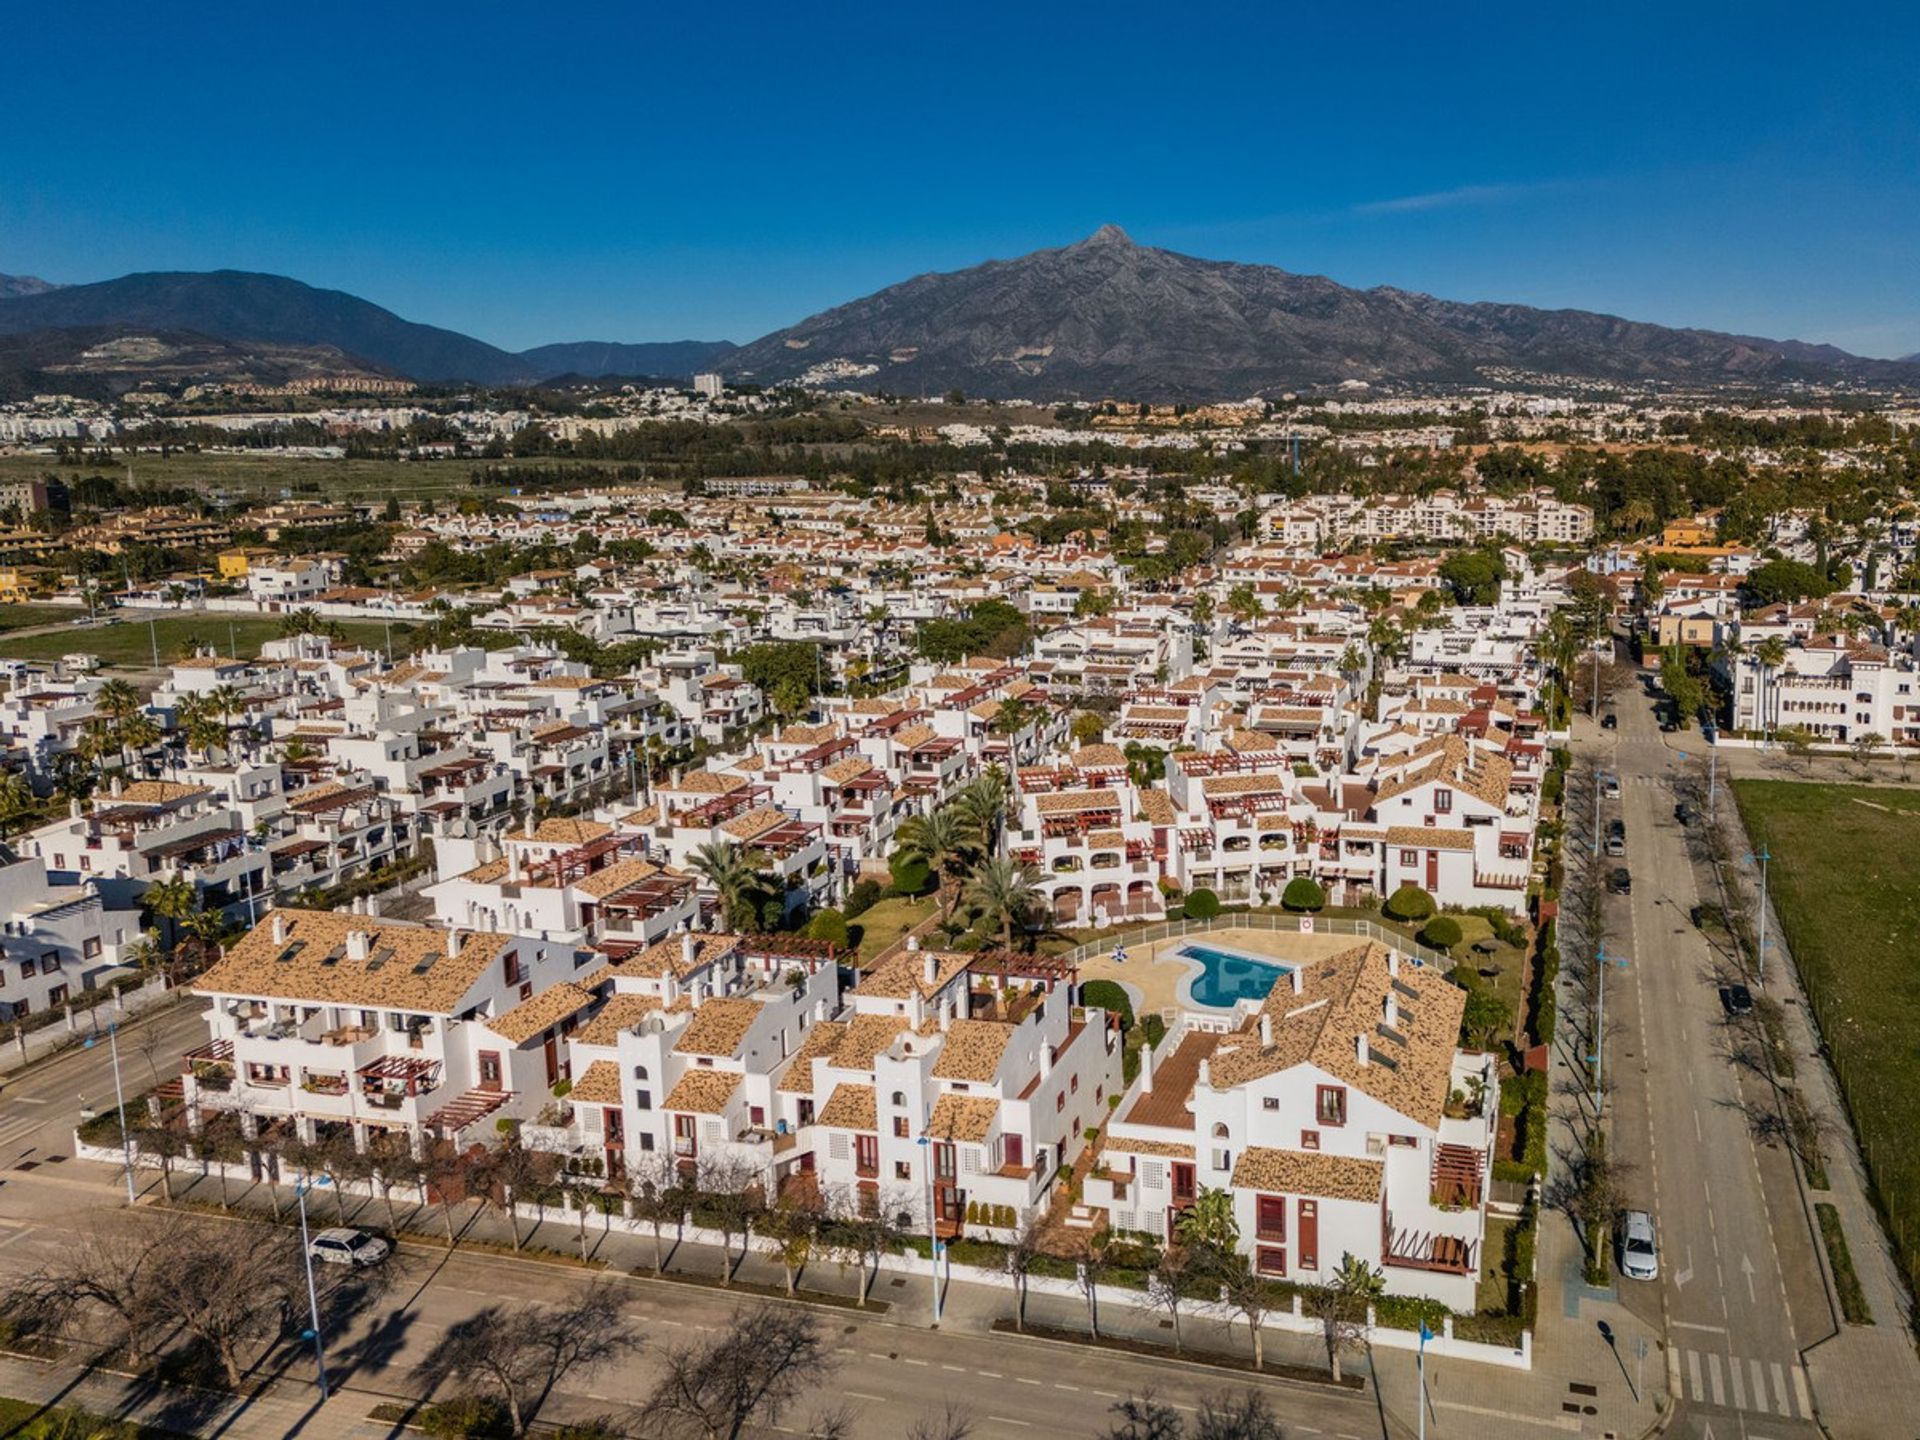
[(1343, 997), (416, 974), (915, 735), (823, 1039), (702, 1092), (898, 977), (615, 877), (1070, 802), (599, 1085), (158, 792), (1432, 837), (544, 1011), (962, 1117), (972, 1050), (843, 770), (718, 1026), (755, 823), (867, 1036), (807, 735), (645, 815), (1308, 1172), (707, 782), (1156, 807), (1244, 784), (851, 1107), (667, 951), (567, 832), (620, 1013), (1166, 1148)]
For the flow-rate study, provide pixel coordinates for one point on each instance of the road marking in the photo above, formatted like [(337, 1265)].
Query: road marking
[(1737, 1373), (957, 1369), (1058, 1386), (1025, 1380), (1714, 1378), (910, 1361), (1002, 1420), (1695, 1325), (1780, 1390), (1759, 1385), (1558, 1422), (990, 1374), (1800, 1391), (862, 1395)]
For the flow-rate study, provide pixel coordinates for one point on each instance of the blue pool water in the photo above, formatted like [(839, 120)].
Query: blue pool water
[(1227, 977)]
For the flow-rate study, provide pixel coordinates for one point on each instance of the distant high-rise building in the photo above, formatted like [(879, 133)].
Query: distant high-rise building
[(711, 386)]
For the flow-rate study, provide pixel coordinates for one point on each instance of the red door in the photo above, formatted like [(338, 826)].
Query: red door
[(1309, 1237), (1433, 871), (489, 1069)]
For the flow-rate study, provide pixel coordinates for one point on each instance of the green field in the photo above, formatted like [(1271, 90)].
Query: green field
[(21, 617), (1844, 876), (130, 644)]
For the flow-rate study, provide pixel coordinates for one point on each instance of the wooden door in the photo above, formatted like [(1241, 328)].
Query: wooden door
[(1308, 1240)]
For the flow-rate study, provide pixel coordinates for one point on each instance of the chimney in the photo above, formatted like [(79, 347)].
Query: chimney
[(1046, 1061), (1146, 1070), (513, 864), (1266, 1030), (279, 928), (1295, 977), (1393, 964), (1360, 1050), (699, 991), (373, 905), (359, 945), (1206, 1073), (913, 942), (689, 948), (670, 987), (73, 809), (116, 788), (531, 826), (930, 967), (359, 904), (1389, 1011), (916, 1009), (453, 941)]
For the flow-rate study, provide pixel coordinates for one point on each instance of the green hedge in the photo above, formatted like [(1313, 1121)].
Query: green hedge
[(1111, 997)]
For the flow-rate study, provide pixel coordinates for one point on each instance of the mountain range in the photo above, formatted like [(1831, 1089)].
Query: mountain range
[(1103, 317)]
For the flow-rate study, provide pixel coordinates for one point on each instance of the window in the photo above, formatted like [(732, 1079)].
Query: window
[(1059, 1103), (1073, 1085), (1271, 1216), (902, 1170), (639, 1072), (901, 1130), (1409, 858), (1220, 1130), (900, 1099), (1271, 1260), (57, 995), (90, 947), (1270, 1102), (1442, 801), (1331, 1106), (1309, 1139), (510, 967)]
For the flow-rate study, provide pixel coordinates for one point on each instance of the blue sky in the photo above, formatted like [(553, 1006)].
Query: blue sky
[(635, 172)]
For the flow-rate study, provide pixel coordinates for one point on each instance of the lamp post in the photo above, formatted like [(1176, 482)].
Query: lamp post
[(313, 1299), (1762, 856), (119, 1097)]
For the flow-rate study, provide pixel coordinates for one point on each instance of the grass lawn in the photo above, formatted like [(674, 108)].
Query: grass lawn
[(1844, 874), (129, 644), (887, 921), (20, 617), (25, 1420)]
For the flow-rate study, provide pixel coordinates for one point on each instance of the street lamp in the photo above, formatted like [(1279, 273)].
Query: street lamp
[(933, 1225), (119, 1096), (1762, 856), (313, 1300)]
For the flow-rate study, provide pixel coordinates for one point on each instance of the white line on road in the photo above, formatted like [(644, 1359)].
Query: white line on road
[(862, 1395), (1800, 1391), (1694, 1325), (1713, 1376), (1693, 1374), (1557, 1422), (1780, 1390), (1002, 1420), (1736, 1372)]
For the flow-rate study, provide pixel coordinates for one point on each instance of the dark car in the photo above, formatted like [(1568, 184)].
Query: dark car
[(1609, 721), (1736, 1000), (1620, 882), (1684, 812)]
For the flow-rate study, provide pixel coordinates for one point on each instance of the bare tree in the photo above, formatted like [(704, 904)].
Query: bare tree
[(522, 1352), (951, 1421), (1341, 1306), (508, 1174), (1591, 1191), (749, 1374), (791, 1229), (731, 1196), (1023, 1253), (1167, 1285), (395, 1167), (660, 1193), (863, 1231), (217, 1142), (1089, 1264), (1143, 1417), (1244, 1293), (231, 1287), (112, 1278), (443, 1171), (1246, 1416)]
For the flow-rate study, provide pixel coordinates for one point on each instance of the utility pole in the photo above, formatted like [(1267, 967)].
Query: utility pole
[(1713, 772)]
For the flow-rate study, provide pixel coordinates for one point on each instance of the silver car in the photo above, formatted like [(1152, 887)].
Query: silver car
[(1639, 1252), (343, 1245)]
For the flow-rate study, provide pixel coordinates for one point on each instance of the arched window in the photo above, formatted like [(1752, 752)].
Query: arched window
[(900, 1098), (639, 1072), (1219, 1131)]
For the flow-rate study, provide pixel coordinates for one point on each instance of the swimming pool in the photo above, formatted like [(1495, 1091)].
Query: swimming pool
[(1227, 977)]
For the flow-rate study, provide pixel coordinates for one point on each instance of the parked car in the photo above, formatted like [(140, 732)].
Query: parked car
[(1639, 1251), (1610, 787), (1736, 1000), (1617, 838), (1620, 882), (344, 1245), (1609, 721), (1684, 812)]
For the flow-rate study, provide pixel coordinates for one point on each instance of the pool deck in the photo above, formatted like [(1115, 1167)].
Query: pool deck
[(1153, 972)]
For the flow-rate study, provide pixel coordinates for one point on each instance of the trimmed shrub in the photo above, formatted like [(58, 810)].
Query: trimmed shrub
[(1110, 997), (1442, 932), (1202, 904), (864, 895), (830, 926), (910, 875), (1410, 903), (1154, 1030), (1303, 893)]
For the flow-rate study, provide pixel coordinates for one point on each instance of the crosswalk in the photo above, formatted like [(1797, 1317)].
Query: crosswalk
[(1736, 1383)]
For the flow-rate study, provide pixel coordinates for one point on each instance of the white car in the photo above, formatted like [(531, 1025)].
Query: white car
[(1610, 787), (342, 1245), (1639, 1254)]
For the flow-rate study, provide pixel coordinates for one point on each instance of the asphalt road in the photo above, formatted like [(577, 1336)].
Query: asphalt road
[(1739, 1286)]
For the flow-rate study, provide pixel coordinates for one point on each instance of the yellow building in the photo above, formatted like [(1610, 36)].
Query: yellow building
[(16, 585), (237, 563)]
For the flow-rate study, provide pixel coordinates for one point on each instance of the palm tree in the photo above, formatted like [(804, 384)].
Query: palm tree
[(1772, 654), (982, 806), (734, 873), (1005, 891), (940, 841), (16, 798), (1208, 1223), (173, 900), (117, 700)]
